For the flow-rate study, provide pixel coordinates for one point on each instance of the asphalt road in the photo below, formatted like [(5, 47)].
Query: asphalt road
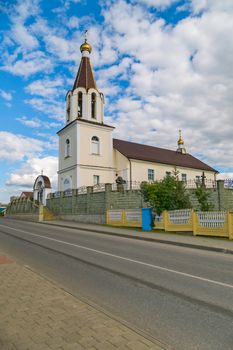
[(180, 296)]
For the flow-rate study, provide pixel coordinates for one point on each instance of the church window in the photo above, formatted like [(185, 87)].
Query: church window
[(67, 184), (80, 104), (95, 145), (96, 179), (68, 109), (151, 174), (67, 148), (184, 178), (93, 105)]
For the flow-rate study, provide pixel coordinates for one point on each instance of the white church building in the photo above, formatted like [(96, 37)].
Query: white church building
[(88, 154)]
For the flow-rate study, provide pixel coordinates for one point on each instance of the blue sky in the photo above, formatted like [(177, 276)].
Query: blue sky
[(163, 65)]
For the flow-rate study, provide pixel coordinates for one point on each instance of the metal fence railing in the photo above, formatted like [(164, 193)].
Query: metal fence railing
[(228, 183), (208, 183), (126, 186), (213, 219), (181, 216), (99, 188)]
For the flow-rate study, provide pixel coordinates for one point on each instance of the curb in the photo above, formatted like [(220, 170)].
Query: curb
[(148, 239)]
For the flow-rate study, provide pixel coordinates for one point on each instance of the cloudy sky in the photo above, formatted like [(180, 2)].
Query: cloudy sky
[(163, 65)]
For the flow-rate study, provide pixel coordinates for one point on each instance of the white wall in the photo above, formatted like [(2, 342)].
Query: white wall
[(122, 165), (86, 105), (140, 171)]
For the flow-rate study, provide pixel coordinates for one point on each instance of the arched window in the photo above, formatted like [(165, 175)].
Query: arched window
[(93, 105), (95, 145), (67, 184), (80, 104), (67, 148), (40, 191), (68, 109)]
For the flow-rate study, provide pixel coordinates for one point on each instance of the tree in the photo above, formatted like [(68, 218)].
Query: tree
[(203, 198), (168, 194)]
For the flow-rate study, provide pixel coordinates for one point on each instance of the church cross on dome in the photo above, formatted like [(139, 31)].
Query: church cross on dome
[(85, 35)]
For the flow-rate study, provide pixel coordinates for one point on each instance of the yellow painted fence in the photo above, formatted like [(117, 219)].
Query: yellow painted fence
[(126, 217), (213, 223)]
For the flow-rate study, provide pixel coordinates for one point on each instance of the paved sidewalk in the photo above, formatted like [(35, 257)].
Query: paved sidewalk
[(36, 314), (181, 239)]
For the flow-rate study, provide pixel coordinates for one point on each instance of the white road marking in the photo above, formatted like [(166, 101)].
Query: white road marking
[(125, 259)]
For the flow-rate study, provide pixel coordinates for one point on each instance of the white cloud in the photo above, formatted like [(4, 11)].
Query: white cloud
[(32, 123), (65, 50), (48, 90), (37, 123), (17, 147), (6, 193), (7, 96), (30, 64), (159, 4), (20, 32), (182, 76), (73, 22), (224, 176), (126, 105), (25, 9), (46, 87), (26, 175), (52, 108), (213, 5), (23, 37)]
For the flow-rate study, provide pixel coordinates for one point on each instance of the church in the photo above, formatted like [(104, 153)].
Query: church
[(89, 155)]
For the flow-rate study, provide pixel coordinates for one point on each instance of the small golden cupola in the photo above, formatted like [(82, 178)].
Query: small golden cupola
[(85, 76), (180, 143), (85, 47)]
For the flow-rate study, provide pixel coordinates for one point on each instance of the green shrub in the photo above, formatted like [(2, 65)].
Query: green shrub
[(168, 194)]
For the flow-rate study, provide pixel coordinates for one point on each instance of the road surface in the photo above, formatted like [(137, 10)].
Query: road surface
[(180, 296)]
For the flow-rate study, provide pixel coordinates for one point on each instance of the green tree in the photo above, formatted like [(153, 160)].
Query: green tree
[(203, 197), (168, 194)]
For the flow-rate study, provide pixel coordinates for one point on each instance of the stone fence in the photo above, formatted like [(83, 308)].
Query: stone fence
[(91, 205), (221, 196), (23, 208)]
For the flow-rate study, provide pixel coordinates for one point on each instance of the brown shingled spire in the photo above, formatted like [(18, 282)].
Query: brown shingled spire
[(85, 77)]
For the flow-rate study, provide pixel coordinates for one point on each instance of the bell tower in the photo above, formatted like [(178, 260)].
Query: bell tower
[(85, 142), (85, 101)]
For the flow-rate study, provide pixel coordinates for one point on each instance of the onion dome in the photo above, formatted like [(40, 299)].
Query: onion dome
[(86, 47), (180, 141)]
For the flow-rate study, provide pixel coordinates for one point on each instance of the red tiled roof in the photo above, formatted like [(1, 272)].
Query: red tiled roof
[(85, 76), (46, 181), (27, 194), (138, 151)]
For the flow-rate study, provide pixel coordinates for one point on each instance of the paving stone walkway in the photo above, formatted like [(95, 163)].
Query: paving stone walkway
[(36, 314)]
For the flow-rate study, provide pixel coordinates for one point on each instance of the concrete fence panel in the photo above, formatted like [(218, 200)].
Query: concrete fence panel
[(211, 224), (178, 220), (127, 217)]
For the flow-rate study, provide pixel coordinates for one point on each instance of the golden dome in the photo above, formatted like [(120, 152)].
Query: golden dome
[(180, 141), (85, 47)]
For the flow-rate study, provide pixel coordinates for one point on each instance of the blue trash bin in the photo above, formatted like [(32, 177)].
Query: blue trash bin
[(146, 219)]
